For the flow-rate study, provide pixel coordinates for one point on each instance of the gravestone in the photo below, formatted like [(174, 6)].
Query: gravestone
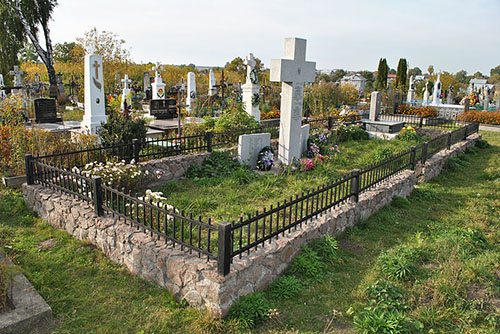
[(450, 95), (147, 86), (436, 94), (163, 108), (498, 102), (46, 111), (18, 79), (158, 87), (60, 85), (304, 136), (251, 89), (126, 92), (212, 89), (293, 71), (425, 99), (395, 102), (249, 147), (191, 91), (2, 92), (95, 112), (411, 90), (374, 106)]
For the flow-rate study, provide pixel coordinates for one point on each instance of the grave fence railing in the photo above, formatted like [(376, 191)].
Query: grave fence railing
[(224, 241)]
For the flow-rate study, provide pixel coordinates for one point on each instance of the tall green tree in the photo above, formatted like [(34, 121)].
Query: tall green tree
[(414, 71), (401, 75), (383, 70), (31, 16), (11, 38)]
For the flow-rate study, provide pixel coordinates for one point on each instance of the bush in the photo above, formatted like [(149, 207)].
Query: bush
[(482, 144), (455, 164), (219, 163), (383, 292), (326, 247), (120, 129), (408, 134), (379, 320), (350, 132), (308, 265), (285, 287), (484, 117), (398, 263), (118, 174), (251, 308), (235, 117)]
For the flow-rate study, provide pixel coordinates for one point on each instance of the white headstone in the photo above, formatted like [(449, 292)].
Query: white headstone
[(212, 90), (374, 105), (1, 81), (436, 94), (249, 147), (450, 95), (293, 71), (157, 87), (126, 91), (2, 92), (425, 99), (304, 136), (411, 90), (251, 89), (95, 112), (191, 91)]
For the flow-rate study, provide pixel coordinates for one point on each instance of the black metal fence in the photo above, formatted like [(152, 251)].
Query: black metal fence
[(420, 121), (227, 240)]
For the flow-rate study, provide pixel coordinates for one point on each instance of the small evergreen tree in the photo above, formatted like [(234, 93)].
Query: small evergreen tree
[(401, 75), (383, 70)]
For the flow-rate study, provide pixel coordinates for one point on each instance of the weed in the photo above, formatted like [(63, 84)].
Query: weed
[(383, 153), (380, 320), (383, 292), (455, 164), (326, 247), (285, 287), (308, 265), (400, 202), (472, 150), (481, 143), (398, 263), (250, 309)]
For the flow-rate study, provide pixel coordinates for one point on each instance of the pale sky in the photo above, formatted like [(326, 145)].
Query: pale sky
[(351, 34)]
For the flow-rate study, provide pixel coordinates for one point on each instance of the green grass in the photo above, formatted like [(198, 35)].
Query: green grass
[(224, 198), (449, 226), (72, 115)]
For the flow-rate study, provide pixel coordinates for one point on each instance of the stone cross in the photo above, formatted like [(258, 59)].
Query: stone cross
[(158, 87), (212, 90), (374, 105), (95, 113), (293, 71), (17, 76), (191, 91), (250, 63), (1, 81), (126, 92), (436, 94), (411, 90)]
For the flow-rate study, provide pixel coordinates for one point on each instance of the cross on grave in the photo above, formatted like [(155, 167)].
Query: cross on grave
[(17, 76), (250, 63), (293, 71), (126, 91), (126, 81)]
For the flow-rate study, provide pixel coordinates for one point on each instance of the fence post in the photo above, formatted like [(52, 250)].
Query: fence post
[(330, 122), (136, 147), (413, 153), (98, 198), (209, 136), (424, 152), (421, 124), (224, 248), (355, 185), (28, 165), (449, 140)]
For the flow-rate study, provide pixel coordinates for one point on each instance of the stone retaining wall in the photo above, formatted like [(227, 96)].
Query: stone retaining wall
[(197, 280)]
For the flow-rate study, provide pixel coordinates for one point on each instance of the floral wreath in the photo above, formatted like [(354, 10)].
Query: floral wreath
[(265, 159)]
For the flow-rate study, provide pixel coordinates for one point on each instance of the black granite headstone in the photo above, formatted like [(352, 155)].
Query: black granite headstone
[(46, 111), (163, 109)]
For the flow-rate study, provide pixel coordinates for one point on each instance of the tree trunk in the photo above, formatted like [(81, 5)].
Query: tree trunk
[(49, 55)]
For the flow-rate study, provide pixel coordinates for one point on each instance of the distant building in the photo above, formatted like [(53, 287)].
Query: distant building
[(478, 85), (391, 78), (420, 78), (355, 80)]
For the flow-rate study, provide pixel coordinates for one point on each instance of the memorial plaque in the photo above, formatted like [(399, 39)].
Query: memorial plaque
[(46, 111), (163, 109)]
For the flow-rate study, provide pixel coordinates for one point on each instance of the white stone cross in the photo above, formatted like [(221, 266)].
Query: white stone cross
[(250, 63), (126, 81), (17, 76), (1, 81), (293, 72)]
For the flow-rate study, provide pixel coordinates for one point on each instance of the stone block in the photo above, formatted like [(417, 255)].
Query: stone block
[(249, 147)]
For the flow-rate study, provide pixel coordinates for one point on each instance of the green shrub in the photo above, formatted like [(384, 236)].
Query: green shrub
[(251, 309), (408, 134), (234, 117), (400, 202), (481, 143), (326, 247), (350, 132), (398, 263), (455, 164), (379, 320), (472, 150), (308, 265), (218, 163), (382, 153), (242, 176), (120, 129), (383, 292), (285, 287)]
